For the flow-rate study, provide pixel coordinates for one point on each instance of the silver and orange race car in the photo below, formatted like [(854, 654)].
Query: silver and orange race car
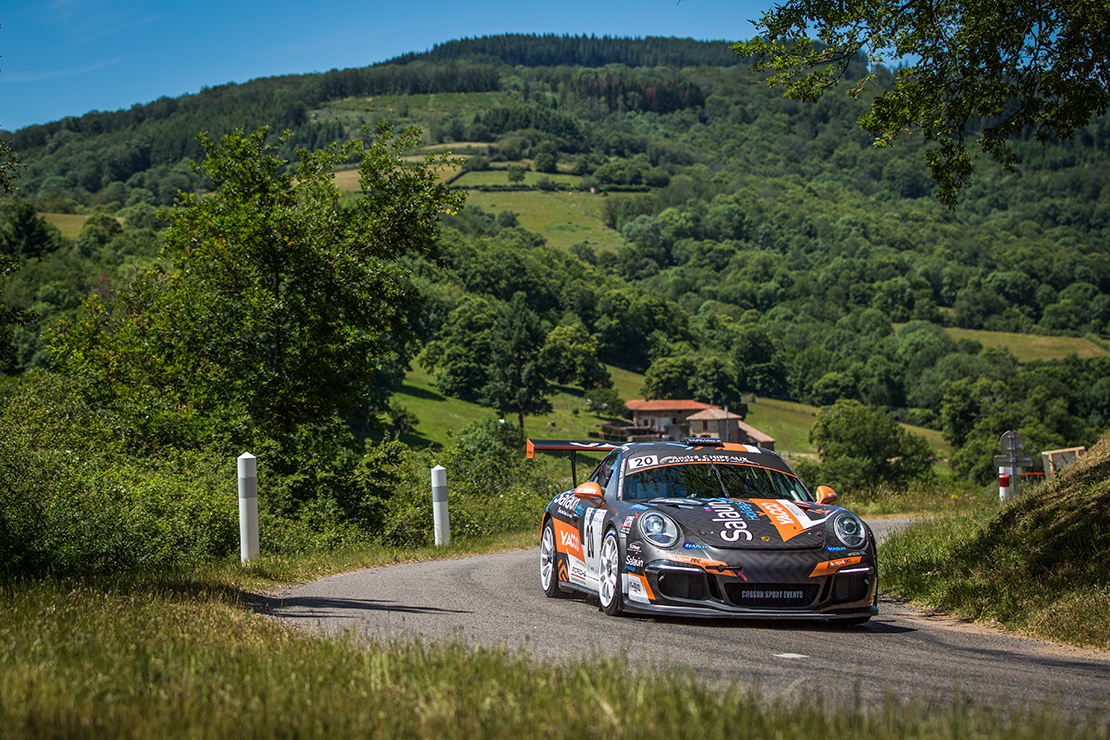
[(705, 528)]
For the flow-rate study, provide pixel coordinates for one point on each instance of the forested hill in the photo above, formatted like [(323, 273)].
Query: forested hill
[(664, 211), (550, 50)]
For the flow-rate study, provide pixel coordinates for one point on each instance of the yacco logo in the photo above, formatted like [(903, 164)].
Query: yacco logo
[(693, 546), (784, 521), (568, 539), (732, 523), (788, 519)]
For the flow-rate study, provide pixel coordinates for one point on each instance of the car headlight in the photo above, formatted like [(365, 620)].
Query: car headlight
[(658, 529), (850, 530)]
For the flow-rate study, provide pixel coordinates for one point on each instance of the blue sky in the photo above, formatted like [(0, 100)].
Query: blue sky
[(66, 57)]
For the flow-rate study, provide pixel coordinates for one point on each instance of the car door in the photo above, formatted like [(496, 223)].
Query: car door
[(592, 522)]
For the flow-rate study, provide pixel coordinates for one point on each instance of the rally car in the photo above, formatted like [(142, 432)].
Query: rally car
[(705, 528)]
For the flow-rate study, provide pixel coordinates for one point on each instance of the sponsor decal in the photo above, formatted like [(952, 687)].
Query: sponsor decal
[(563, 571), (568, 541), (636, 463), (774, 594), (830, 548), (765, 539), (637, 507), (637, 589), (627, 523), (746, 510), (633, 562), (567, 500), (701, 562), (577, 573), (788, 519), (733, 526), (633, 546), (569, 505), (694, 546), (832, 566), (593, 536)]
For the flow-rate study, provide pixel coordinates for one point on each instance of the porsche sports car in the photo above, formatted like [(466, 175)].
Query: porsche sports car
[(705, 528)]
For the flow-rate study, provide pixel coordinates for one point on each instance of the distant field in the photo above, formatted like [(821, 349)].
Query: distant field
[(348, 180), (68, 223), (1029, 347), (438, 415), (418, 107), (787, 422), (563, 218), (500, 176)]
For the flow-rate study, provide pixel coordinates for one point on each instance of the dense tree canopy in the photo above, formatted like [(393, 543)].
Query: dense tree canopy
[(994, 68), (280, 304)]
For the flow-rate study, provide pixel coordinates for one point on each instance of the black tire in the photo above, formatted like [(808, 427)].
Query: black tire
[(549, 560), (609, 575)]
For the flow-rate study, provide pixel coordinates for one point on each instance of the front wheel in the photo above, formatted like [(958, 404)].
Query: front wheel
[(609, 575), (548, 559)]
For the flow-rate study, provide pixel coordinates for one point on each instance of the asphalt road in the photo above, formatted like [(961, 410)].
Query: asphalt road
[(496, 600)]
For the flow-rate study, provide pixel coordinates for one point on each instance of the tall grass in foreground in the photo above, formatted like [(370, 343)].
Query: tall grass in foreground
[(79, 660), (1039, 565)]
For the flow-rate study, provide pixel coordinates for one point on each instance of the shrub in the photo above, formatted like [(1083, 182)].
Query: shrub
[(74, 502)]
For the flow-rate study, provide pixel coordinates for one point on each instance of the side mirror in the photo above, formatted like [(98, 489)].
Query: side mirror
[(591, 491), (825, 495)]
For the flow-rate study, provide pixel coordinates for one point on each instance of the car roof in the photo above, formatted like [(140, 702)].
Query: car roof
[(704, 451)]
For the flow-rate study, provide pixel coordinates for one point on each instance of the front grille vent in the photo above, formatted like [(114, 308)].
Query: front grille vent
[(677, 584)]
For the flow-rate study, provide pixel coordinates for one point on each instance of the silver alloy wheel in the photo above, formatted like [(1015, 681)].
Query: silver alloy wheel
[(547, 557), (609, 579)]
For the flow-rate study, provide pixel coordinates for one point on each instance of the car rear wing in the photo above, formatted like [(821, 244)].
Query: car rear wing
[(572, 446)]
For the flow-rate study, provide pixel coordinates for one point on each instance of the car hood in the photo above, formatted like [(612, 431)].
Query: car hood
[(748, 523)]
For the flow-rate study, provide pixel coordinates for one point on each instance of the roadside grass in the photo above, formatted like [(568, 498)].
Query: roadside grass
[(183, 657), (1039, 566), (948, 498)]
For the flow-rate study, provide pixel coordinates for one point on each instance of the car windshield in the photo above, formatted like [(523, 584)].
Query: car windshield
[(709, 480)]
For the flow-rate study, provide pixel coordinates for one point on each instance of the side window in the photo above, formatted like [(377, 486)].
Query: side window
[(604, 472), (614, 479)]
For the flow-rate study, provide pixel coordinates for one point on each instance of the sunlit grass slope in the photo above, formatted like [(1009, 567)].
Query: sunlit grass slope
[(563, 217), (1030, 347), (1040, 565)]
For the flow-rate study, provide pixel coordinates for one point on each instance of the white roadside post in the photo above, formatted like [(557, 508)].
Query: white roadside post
[(248, 507), (440, 516), (1010, 464)]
